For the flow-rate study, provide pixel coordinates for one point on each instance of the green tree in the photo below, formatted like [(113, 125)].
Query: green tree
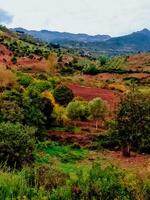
[(77, 110), (63, 95), (133, 122), (97, 110), (37, 109), (103, 60), (16, 144)]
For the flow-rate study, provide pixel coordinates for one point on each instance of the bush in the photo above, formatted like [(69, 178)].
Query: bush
[(77, 110), (24, 79), (16, 144), (11, 111), (63, 95), (103, 60), (40, 85), (90, 69)]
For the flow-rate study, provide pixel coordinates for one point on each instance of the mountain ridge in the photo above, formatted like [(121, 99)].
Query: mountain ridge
[(132, 43)]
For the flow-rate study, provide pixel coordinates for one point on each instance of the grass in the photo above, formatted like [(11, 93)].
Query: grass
[(66, 154)]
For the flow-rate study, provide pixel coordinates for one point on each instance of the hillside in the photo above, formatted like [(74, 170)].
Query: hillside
[(72, 126)]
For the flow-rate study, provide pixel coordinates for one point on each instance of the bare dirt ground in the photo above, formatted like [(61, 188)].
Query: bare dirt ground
[(34, 64), (89, 93)]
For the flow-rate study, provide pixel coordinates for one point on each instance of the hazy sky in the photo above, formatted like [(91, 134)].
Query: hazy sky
[(113, 17)]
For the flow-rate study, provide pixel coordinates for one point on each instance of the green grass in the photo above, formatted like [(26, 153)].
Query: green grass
[(66, 154)]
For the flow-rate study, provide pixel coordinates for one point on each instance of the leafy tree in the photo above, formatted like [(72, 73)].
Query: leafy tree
[(63, 95), (37, 109), (77, 110), (103, 60), (16, 143), (133, 122), (97, 109)]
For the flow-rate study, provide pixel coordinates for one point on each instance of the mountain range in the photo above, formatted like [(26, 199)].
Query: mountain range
[(135, 42)]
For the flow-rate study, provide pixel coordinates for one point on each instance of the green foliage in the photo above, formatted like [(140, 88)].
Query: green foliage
[(103, 60), (24, 79), (63, 95), (37, 109), (97, 108), (28, 107), (40, 85), (133, 121), (77, 110), (90, 69), (98, 184), (11, 111), (66, 154), (16, 144)]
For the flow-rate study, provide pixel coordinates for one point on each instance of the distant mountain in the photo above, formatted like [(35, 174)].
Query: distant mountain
[(136, 42), (58, 37)]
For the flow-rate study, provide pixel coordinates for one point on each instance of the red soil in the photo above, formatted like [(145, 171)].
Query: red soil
[(34, 64), (118, 77), (89, 93), (138, 162), (70, 137)]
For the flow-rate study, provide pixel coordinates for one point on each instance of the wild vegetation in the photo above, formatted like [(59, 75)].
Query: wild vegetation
[(72, 126)]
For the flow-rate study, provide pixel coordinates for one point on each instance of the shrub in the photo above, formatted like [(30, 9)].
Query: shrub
[(63, 95), (90, 69), (77, 110), (40, 85), (10, 111), (98, 184), (16, 144), (24, 79), (103, 60)]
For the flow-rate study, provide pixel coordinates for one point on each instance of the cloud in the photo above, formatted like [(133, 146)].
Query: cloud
[(5, 17)]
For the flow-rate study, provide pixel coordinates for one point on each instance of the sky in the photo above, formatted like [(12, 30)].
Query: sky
[(112, 17)]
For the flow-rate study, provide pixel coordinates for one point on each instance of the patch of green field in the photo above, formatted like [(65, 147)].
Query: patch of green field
[(66, 154)]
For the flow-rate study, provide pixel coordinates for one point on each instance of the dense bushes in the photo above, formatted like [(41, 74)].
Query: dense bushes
[(28, 107), (17, 143), (47, 182)]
